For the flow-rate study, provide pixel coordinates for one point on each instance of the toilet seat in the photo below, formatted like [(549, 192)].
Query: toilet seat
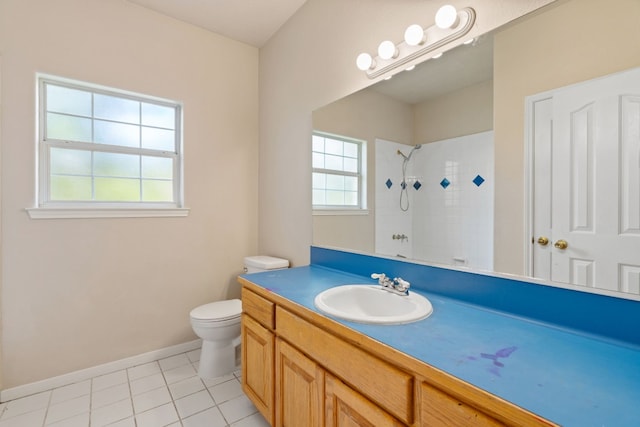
[(217, 311)]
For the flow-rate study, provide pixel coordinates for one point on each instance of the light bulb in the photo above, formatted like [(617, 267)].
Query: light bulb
[(387, 50), (447, 17), (365, 62), (414, 35)]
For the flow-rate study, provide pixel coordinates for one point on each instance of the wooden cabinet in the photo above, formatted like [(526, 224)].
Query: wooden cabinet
[(257, 365), (258, 351), (347, 408), (299, 388), (303, 369)]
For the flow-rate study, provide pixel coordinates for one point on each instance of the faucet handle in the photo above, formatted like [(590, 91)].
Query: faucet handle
[(378, 276), (401, 284)]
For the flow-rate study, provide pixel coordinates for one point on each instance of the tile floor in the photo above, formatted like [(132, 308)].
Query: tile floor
[(166, 392)]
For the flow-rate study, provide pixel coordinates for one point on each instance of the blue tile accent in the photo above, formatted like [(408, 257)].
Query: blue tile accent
[(417, 185), (388, 183), (445, 183), (478, 180)]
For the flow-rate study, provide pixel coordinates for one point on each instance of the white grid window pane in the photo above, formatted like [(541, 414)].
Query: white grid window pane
[(68, 128), (70, 162), (136, 158), (116, 109), (337, 172), (68, 101), (334, 162), (116, 165)]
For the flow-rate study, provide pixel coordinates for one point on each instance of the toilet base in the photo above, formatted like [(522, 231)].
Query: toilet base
[(217, 359)]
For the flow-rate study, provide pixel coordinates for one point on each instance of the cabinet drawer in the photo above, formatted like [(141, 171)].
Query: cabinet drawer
[(259, 308), (379, 381), (440, 409)]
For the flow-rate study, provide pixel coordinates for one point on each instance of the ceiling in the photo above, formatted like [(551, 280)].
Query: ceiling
[(249, 21), (460, 67)]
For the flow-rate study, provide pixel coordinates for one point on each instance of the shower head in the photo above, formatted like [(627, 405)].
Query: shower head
[(415, 147)]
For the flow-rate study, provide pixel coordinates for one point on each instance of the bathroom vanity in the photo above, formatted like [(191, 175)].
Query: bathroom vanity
[(464, 365)]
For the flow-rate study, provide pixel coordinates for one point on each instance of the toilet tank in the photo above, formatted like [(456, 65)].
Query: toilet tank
[(258, 263)]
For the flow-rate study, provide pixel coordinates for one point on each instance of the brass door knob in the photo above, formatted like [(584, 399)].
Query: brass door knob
[(543, 241), (561, 244)]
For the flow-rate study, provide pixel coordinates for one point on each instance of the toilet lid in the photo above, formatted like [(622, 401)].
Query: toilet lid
[(219, 310)]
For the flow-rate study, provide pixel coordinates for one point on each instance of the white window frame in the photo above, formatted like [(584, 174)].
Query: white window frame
[(361, 209), (46, 208)]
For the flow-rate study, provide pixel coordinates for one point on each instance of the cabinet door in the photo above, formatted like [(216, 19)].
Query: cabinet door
[(299, 388), (441, 409), (345, 407), (257, 365)]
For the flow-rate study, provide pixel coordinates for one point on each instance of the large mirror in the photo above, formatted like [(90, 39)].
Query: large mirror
[(455, 132)]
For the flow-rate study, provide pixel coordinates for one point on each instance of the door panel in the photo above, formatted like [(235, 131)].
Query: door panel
[(593, 167)]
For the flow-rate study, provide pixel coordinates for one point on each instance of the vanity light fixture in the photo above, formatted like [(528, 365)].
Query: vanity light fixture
[(450, 24), (437, 55), (414, 35), (387, 50), (447, 17)]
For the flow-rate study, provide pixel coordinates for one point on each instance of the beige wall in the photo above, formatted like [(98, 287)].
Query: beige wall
[(575, 41), (365, 115), (306, 65), (464, 112), (81, 292)]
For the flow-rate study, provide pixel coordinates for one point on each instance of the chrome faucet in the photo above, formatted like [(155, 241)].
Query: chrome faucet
[(396, 285)]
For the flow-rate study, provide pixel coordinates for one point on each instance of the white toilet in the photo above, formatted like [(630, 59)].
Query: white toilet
[(218, 324)]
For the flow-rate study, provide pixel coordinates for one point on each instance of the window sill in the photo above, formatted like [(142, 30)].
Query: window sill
[(68, 213), (339, 212)]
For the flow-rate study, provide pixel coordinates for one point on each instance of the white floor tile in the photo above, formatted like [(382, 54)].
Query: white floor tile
[(70, 391), (151, 399), (81, 420), (164, 393), (180, 373), (194, 403), (186, 387), (145, 370), (109, 395), (209, 418), (26, 404), (158, 417), (236, 409), (219, 380), (225, 391), (111, 413), (68, 409), (149, 383), (174, 361), (194, 355), (109, 380), (127, 422), (29, 419), (255, 420)]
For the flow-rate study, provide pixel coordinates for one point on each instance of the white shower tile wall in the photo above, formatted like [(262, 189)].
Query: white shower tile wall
[(452, 225), (166, 392)]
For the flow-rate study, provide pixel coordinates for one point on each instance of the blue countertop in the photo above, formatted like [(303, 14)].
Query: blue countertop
[(567, 377)]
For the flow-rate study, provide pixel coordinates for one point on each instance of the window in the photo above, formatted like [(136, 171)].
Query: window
[(101, 147), (338, 172)]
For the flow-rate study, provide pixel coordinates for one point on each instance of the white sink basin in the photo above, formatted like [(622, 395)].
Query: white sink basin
[(372, 304)]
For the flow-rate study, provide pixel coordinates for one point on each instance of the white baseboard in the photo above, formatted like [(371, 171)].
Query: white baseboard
[(95, 371)]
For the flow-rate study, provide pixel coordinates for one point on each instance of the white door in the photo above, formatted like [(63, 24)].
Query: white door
[(587, 183)]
